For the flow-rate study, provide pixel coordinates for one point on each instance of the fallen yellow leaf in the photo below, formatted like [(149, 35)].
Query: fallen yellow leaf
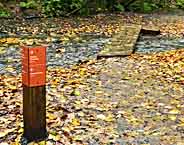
[(75, 122), (174, 111), (51, 116), (172, 117)]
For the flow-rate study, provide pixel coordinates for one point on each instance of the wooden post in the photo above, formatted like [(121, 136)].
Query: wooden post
[(34, 92)]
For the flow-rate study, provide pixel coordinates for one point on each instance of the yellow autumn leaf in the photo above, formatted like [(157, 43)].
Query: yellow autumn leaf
[(54, 137), (2, 40), (172, 117), (30, 42), (2, 51), (42, 143), (10, 69), (77, 138), (101, 108), (9, 40), (20, 130), (181, 124), (67, 129), (99, 93), (12, 40), (64, 39), (109, 118), (2, 134), (75, 122), (51, 116), (174, 111), (76, 93), (12, 87), (81, 114), (83, 71), (1, 92), (78, 102), (182, 119)]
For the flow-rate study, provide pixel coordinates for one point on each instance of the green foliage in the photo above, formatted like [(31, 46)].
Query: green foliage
[(62, 7), (145, 5), (85, 7), (180, 3), (29, 4), (4, 13), (148, 7), (66, 7), (119, 7)]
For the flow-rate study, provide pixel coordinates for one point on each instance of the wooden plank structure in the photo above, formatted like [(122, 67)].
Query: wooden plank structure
[(150, 29), (34, 92), (122, 44)]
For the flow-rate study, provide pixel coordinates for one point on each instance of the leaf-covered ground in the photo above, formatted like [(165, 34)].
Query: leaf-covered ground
[(135, 100)]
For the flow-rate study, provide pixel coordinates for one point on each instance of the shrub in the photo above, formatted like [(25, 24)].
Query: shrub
[(85, 7), (180, 3), (29, 4), (62, 7), (119, 7), (4, 13)]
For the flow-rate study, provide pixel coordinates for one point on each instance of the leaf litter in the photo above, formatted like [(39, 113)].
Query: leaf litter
[(132, 100)]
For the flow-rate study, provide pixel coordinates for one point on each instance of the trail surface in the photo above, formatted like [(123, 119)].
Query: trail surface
[(132, 100)]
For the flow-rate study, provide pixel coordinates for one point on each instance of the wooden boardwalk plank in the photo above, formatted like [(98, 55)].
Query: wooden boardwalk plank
[(122, 44), (150, 29)]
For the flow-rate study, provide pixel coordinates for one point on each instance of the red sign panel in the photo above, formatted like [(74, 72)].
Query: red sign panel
[(34, 66)]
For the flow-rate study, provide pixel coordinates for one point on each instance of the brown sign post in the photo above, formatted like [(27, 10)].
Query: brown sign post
[(34, 92)]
